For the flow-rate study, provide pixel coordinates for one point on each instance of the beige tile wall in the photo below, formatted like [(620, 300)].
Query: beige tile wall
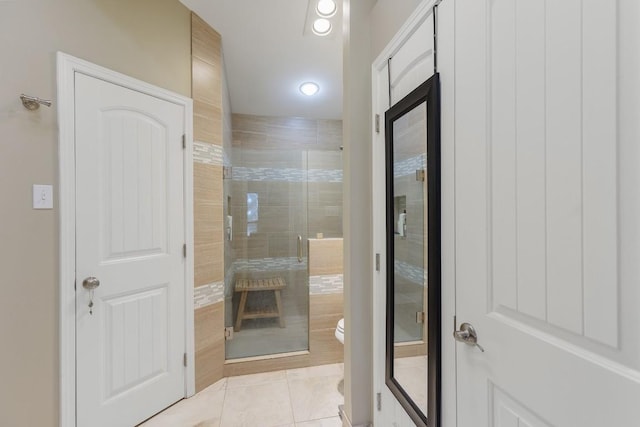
[(287, 208), (325, 256), (207, 222), (209, 346), (206, 50), (208, 201), (324, 313), (288, 133)]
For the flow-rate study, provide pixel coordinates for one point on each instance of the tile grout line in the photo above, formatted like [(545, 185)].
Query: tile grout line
[(293, 415), (224, 399)]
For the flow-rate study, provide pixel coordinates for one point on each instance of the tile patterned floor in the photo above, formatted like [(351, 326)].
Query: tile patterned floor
[(306, 397)]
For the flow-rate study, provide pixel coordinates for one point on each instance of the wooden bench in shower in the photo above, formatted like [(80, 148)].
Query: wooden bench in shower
[(245, 286)]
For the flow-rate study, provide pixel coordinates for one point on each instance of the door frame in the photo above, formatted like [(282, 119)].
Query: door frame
[(67, 66), (445, 66)]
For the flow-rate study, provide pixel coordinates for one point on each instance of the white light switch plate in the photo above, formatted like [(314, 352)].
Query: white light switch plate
[(42, 196)]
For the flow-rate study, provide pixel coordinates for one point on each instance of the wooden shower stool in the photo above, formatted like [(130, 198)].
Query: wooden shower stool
[(250, 285)]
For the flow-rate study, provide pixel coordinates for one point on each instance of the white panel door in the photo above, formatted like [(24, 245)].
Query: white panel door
[(547, 210), (411, 63), (130, 235)]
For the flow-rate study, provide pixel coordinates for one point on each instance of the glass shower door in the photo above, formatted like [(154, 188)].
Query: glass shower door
[(267, 299)]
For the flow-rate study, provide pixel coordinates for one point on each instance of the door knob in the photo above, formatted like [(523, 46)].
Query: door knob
[(90, 283), (467, 334)]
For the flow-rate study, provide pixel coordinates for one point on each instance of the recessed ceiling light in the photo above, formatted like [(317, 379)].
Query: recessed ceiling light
[(321, 26), (326, 8), (309, 88)]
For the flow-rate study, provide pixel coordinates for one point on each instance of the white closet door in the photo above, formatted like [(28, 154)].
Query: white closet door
[(547, 211), (130, 235)]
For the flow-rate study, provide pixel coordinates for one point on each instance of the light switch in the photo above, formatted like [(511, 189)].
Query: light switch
[(42, 196)]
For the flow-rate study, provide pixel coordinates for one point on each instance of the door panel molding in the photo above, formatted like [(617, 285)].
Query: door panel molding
[(565, 345), (506, 411), (551, 164), (67, 67)]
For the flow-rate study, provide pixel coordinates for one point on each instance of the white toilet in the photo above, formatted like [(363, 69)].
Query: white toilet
[(340, 331)]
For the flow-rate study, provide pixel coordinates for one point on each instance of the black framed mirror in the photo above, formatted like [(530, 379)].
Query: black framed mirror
[(412, 370)]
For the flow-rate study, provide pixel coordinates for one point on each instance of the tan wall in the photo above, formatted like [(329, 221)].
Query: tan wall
[(147, 39), (358, 265)]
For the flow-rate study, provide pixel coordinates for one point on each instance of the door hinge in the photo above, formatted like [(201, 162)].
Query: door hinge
[(377, 262), (420, 175), (184, 360), (228, 334), (379, 401), (377, 123), (184, 141), (420, 317), (184, 250)]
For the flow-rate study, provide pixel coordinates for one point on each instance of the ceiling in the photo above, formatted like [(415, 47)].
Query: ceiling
[(268, 54)]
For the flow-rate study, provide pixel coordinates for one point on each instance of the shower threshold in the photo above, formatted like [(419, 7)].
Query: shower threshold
[(266, 357)]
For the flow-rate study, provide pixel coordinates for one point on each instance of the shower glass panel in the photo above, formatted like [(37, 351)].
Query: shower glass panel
[(267, 299), (325, 193)]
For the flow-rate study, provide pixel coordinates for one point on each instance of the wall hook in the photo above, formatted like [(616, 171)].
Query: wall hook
[(32, 103)]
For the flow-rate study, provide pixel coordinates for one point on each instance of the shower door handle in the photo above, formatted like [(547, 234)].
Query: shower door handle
[(299, 248)]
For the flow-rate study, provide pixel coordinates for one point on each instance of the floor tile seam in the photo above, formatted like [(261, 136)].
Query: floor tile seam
[(318, 378), (293, 415), (207, 391), (224, 400), (256, 384), (291, 400), (320, 419), (316, 367)]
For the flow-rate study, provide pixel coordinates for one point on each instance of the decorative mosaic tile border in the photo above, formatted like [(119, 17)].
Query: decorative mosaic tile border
[(326, 284), (209, 154), (215, 292), (286, 174), (410, 272), (269, 264), (208, 294), (226, 160), (409, 166), (324, 175)]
